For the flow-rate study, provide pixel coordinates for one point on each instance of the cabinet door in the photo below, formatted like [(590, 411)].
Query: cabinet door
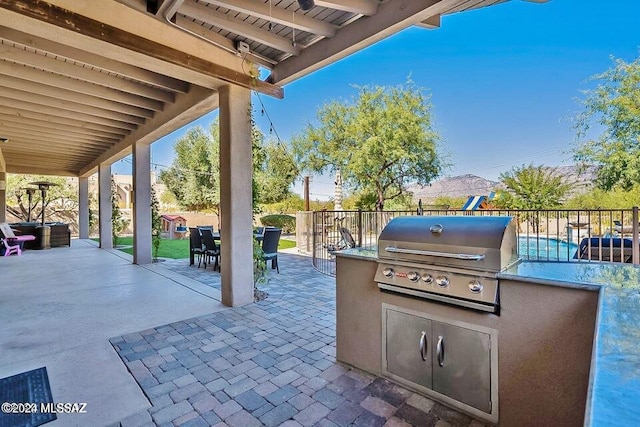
[(408, 347), (462, 365)]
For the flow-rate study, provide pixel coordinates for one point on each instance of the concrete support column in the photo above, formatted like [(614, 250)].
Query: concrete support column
[(141, 203), (235, 196), (3, 196), (83, 207), (104, 206)]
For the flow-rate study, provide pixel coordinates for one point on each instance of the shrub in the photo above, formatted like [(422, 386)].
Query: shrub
[(286, 222)]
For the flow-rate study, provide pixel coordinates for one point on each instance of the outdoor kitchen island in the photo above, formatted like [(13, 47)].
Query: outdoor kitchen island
[(568, 334)]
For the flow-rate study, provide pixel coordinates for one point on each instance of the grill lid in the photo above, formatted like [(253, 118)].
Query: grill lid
[(485, 243)]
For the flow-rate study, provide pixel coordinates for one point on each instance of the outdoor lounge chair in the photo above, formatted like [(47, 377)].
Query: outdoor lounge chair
[(11, 246), (612, 249), (6, 232), (270, 246)]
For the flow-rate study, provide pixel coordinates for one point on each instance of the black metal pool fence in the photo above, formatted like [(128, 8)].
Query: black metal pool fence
[(543, 235)]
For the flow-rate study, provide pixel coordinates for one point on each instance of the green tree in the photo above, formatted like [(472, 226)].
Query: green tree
[(194, 176), (118, 221), (451, 202), (60, 197), (156, 224), (381, 142), (614, 105), (597, 198), (533, 187), (275, 174)]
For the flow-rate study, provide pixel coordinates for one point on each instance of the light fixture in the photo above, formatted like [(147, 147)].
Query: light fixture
[(306, 4)]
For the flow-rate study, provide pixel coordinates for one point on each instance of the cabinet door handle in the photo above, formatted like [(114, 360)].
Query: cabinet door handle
[(423, 346), (440, 351)]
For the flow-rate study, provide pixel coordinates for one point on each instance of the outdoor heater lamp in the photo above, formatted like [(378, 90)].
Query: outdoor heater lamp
[(306, 4)]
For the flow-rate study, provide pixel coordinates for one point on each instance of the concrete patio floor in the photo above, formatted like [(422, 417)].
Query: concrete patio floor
[(152, 345), (60, 307)]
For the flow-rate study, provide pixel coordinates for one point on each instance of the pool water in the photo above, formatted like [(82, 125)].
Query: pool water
[(543, 249)]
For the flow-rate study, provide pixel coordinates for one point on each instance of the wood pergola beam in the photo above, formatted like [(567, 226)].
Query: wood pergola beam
[(58, 129), (275, 14), (86, 74), (187, 108), (71, 21), (89, 100), (92, 59), (46, 137), (83, 88), (212, 17), (71, 106), (390, 18), (43, 118), (37, 170), (361, 7), (43, 109)]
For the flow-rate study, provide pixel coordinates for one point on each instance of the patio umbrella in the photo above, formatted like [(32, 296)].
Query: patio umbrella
[(43, 186)]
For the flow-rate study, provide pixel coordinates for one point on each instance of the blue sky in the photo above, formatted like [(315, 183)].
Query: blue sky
[(503, 81)]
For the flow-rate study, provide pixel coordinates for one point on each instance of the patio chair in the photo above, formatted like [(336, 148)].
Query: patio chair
[(11, 246), (211, 249), (611, 249), (270, 246), (7, 232), (195, 245)]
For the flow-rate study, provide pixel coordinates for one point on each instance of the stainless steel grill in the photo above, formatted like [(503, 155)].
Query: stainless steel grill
[(451, 259)]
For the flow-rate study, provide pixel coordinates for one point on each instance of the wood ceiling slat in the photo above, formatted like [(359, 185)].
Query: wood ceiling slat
[(94, 29), (86, 74), (62, 104), (92, 59), (24, 105), (45, 119), (55, 80), (46, 136), (57, 128), (18, 139), (56, 92)]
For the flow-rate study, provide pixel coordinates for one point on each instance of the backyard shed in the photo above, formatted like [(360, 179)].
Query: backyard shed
[(174, 225)]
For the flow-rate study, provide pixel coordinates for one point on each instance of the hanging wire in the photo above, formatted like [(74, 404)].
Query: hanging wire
[(270, 17)]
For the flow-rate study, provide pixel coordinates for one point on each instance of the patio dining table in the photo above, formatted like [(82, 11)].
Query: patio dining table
[(216, 236)]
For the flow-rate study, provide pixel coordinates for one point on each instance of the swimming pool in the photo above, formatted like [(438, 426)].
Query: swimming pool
[(545, 249)]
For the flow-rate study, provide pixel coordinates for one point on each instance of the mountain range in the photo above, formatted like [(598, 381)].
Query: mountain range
[(471, 185)]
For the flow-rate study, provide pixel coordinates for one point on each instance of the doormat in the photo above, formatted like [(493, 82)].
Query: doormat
[(26, 391)]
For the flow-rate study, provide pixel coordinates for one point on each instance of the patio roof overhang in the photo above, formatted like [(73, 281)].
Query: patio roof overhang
[(80, 82)]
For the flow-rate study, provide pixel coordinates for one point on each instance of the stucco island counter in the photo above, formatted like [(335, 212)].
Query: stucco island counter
[(568, 351)]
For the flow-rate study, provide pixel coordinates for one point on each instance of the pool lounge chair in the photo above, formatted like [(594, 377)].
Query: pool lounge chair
[(612, 249), (7, 232)]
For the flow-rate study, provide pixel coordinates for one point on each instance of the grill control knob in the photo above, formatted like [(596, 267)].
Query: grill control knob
[(388, 272), (442, 281), (475, 286), (413, 276), (427, 278)]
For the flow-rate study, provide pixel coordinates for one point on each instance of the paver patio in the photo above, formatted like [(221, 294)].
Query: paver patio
[(270, 363), (60, 307)]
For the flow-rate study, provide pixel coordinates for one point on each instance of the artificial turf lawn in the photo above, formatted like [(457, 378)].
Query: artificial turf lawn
[(177, 249)]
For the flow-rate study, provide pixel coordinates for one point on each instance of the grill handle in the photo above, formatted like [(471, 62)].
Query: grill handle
[(423, 346), (468, 257), (440, 351)]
